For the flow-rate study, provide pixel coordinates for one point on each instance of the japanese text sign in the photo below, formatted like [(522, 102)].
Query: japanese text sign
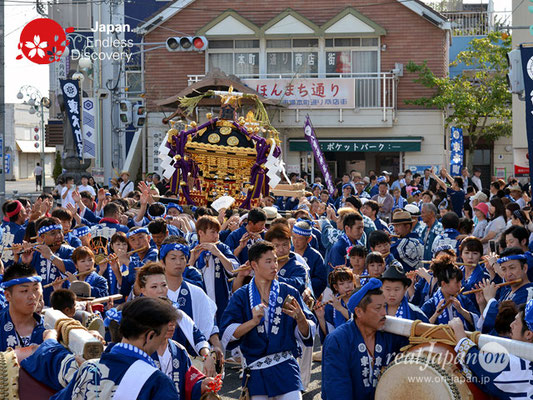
[(457, 152), (308, 92)]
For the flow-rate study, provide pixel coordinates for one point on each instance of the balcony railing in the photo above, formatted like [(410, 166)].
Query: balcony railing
[(375, 90), (477, 23)]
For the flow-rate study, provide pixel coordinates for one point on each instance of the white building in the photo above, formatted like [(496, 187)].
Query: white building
[(21, 154)]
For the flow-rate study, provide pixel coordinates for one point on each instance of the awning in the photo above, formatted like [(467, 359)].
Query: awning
[(378, 145), (28, 146)]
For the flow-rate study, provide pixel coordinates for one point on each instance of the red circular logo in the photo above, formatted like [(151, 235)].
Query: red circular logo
[(43, 41)]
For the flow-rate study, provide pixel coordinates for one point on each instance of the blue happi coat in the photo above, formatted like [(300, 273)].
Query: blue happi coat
[(317, 270), (521, 296), (206, 263), (52, 364), (181, 367), (11, 233), (478, 274), (49, 272), (408, 250), (100, 379), (511, 382), (407, 310), (282, 336), (347, 368), (9, 337), (135, 262), (294, 273), (234, 239), (430, 306)]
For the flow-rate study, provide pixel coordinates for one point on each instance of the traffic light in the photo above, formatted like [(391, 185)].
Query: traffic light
[(125, 112), (515, 77), (139, 115), (186, 43)]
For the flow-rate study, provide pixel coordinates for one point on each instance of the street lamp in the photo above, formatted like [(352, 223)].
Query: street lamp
[(32, 96)]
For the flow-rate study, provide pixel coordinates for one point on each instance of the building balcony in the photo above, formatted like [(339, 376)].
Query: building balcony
[(349, 100), (477, 23)]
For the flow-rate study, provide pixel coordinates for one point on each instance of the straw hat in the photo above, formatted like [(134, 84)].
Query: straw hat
[(401, 217)]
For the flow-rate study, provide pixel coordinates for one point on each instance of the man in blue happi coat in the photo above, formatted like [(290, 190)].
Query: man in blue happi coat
[(355, 352), (20, 325), (127, 371), (268, 321)]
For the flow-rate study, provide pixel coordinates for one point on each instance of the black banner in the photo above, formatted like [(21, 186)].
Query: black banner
[(72, 99)]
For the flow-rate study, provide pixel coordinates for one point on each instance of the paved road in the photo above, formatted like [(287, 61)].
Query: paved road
[(232, 383), (23, 186)]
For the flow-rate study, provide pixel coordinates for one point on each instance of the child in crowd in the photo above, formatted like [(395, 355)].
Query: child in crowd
[(332, 315), (83, 259), (375, 264), (357, 256)]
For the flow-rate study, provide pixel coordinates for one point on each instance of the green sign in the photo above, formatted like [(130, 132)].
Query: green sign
[(375, 145)]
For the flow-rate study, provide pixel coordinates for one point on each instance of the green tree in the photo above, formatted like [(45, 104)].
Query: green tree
[(478, 100), (58, 169)]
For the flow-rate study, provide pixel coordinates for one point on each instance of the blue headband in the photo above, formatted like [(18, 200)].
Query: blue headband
[(156, 216), (18, 281), (82, 231), (381, 179), (444, 247), (373, 283), (137, 231), (49, 228), (163, 251), (520, 257), (303, 231), (415, 192), (347, 185), (317, 185), (528, 315), (112, 315), (176, 206)]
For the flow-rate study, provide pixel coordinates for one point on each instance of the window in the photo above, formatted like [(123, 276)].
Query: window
[(288, 57), (240, 57), (134, 80), (351, 55), (357, 57)]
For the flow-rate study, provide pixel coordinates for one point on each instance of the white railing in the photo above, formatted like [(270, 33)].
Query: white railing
[(476, 23), (376, 90)]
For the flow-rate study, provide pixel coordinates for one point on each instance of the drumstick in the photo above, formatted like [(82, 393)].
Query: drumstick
[(393, 235), (498, 286), (106, 299), (77, 275)]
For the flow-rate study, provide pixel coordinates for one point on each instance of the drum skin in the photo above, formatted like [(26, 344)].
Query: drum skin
[(426, 371)]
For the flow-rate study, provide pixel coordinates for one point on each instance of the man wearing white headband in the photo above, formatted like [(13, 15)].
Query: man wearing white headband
[(20, 325), (139, 240), (47, 260)]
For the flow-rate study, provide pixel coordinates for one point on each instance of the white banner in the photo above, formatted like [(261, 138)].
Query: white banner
[(307, 92), (89, 128)]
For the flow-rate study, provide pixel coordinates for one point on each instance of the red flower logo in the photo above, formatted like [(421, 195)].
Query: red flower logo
[(43, 41)]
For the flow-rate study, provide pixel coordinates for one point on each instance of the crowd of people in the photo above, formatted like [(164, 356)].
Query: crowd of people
[(261, 287)]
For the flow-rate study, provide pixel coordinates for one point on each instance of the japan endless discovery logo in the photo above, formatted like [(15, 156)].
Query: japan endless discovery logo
[(43, 41)]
